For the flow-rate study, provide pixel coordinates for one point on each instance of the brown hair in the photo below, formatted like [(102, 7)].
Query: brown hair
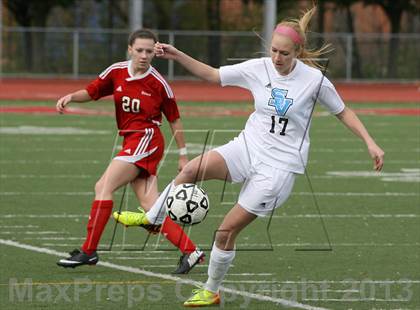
[(141, 34), (300, 26)]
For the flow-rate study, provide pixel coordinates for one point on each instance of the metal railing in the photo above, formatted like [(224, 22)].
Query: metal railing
[(74, 52)]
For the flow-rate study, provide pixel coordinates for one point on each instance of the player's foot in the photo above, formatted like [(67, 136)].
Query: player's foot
[(202, 298), (129, 218), (78, 258), (188, 261)]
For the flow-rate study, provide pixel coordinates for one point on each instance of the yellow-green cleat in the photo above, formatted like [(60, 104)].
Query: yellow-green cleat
[(128, 218), (202, 298)]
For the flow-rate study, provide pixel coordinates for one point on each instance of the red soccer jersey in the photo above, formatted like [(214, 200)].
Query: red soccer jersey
[(139, 100)]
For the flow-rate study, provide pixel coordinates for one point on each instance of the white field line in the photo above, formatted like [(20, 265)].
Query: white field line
[(405, 172), (46, 176), (306, 244), (145, 252), (33, 232), (317, 140), (194, 151), (356, 150), (45, 138), (246, 274), (19, 226), (122, 245), (355, 300), (54, 238), (140, 258), (332, 194), (55, 162), (304, 290), (385, 177), (87, 161), (47, 216), (37, 130), (402, 281), (404, 178), (284, 302), (263, 245), (342, 216), (372, 215), (314, 140), (55, 150)]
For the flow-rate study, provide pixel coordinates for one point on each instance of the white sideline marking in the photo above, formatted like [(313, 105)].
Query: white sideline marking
[(55, 162), (19, 226), (389, 215), (355, 300), (54, 238), (405, 175), (327, 245), (140, 258), (87, 161), (46, 176), (43, 215), (246, 274), (50, 150), (37, 130), (33, 232), (350, 216), (284, 302), (337, 281), (304, 290), (268, 245), (386, 194)]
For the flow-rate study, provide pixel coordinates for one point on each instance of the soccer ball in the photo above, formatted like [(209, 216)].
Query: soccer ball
[(187, 204)]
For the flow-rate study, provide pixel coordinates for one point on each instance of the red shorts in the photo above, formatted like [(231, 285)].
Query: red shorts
[(143, 149)]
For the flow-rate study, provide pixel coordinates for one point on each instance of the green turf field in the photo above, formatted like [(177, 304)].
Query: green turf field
[(49, 165)]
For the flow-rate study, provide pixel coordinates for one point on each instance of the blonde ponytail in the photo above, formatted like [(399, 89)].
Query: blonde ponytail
[(306, 55)]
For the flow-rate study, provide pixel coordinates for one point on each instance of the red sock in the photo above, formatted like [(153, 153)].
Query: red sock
[(174, 233), (99, 216)]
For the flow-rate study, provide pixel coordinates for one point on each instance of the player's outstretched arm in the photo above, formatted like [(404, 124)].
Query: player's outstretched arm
[(196, 67), (78, 96), (350, 119)]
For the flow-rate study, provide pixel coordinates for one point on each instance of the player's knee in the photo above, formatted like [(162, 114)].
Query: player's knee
[(189, 172), (101, 189), (99, 186), (224, 239)]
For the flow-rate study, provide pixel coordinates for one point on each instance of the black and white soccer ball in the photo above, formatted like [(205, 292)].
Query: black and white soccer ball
[(187, 204)]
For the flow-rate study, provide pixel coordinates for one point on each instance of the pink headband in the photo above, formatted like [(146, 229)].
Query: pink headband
[(289, 32)]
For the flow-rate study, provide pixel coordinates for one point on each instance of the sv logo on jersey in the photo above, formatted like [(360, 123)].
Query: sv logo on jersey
[(280, 101)]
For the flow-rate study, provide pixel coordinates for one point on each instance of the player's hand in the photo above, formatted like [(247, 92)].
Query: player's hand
[(377, 155), (62, 102), (165, 51), (182, 162)]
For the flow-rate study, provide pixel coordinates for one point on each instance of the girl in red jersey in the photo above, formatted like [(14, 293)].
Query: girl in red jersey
[(141, 95)]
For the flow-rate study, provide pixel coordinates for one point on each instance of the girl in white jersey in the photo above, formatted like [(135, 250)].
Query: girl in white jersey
[(274, 145)]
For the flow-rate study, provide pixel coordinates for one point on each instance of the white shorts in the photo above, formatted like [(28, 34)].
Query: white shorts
[(264, 187)]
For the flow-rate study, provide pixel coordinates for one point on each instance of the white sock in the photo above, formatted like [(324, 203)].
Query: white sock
[(157, 214), (220, 261)]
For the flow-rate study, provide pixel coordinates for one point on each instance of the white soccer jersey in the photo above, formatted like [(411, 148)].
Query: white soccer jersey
[(277, 131)]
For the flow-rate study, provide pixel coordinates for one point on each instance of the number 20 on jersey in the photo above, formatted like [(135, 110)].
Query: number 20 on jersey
[(130, 105)]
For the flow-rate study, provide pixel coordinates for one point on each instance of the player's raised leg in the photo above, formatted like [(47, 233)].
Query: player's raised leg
[(222, 255), (117, 174), (147, 192), (211, 165)]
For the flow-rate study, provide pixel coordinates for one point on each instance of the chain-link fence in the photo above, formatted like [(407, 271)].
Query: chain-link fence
[(68, 52)]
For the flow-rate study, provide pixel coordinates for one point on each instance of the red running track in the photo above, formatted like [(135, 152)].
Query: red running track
[(52, 89)]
